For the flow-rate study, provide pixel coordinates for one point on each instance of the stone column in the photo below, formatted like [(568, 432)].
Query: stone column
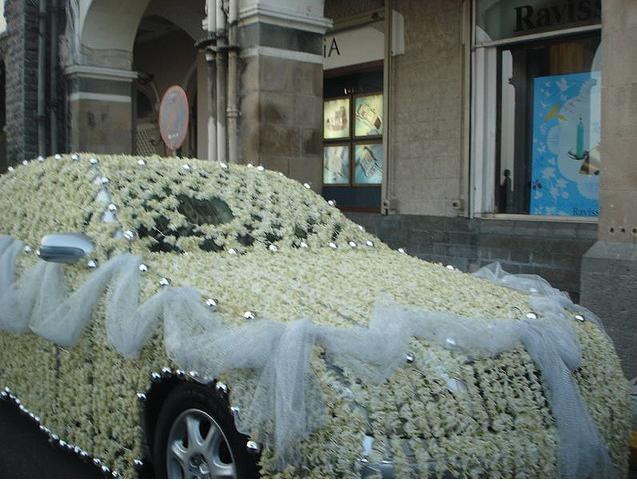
[(21, 79), (101, 109), (281, 86), (609, 268)]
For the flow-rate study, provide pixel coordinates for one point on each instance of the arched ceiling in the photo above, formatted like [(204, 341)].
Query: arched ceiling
[(110, 25), (109, 28), (187, 15)]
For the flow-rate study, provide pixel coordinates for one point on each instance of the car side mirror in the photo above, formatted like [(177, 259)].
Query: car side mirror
[(65, 248)]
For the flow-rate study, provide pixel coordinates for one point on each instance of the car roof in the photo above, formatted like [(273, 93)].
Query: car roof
[(171, 204)]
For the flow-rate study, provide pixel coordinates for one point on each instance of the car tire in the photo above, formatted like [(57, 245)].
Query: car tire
[(195, 436)]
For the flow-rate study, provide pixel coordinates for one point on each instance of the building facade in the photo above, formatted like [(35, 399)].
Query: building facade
[(466, 131)]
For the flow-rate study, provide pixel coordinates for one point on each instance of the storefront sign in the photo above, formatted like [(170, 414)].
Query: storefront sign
[(500, 19), (354, 46), (566, 134), (528, 18)]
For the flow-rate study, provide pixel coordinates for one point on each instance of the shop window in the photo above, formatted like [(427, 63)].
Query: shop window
[(352, 140), (547, 151)]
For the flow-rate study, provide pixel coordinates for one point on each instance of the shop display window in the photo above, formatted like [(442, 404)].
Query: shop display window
[(336, 118), (368, 163), (336, 164), (368, 114), (353, 140), (547, 156)]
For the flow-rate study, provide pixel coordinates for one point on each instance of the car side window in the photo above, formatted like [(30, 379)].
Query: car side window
[(197, 213), (212, 211)]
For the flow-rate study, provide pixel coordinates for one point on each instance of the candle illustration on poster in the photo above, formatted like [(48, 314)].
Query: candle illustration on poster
[(566, 136)]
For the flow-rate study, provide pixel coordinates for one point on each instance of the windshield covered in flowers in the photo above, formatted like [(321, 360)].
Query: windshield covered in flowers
[(201, 205), (163, 234)]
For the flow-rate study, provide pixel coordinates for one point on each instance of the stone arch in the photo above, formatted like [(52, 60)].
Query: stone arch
[(99, 53), (164, 54), (185, 15), (107, 31)]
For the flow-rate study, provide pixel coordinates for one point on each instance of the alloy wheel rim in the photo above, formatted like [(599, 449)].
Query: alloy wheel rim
[(197, 448)]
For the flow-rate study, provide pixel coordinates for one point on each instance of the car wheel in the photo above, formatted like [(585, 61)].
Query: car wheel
[(195, 438)]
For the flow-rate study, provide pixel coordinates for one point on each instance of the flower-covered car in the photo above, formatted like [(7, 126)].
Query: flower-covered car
[(224, 320)]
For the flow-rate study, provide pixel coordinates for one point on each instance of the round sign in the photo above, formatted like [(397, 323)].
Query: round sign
[(173, 117)]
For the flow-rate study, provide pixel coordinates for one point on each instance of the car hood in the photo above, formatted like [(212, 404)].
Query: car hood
[(331, 286)]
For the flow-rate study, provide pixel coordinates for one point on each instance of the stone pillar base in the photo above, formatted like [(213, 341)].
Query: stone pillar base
[(609, 289), (101, 109), (281, 81)]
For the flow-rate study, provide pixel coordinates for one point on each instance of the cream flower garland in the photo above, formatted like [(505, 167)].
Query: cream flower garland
[(501, 427)]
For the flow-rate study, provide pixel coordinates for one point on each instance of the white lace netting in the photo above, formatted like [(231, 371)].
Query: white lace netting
[(287, 404), (545, 296)]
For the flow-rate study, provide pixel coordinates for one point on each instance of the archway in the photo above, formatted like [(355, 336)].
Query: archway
[(101, 41), (163, 55)]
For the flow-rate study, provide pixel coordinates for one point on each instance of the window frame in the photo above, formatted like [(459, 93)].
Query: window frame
[(352, 140), (485, 111)]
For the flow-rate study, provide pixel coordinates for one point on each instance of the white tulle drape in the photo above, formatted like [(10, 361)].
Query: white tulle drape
[(544, 296), (287, 404)]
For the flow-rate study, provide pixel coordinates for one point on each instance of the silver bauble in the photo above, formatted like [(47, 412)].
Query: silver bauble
[(253, 447)]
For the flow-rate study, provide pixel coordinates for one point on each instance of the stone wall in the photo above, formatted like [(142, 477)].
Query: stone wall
[(105, 126), (426, 130), (20, 55), (3, 94), (281, 100), (21, 79), (552, 250), (609, 268)]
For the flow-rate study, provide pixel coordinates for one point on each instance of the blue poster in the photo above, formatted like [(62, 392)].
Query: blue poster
[(566, 135)]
